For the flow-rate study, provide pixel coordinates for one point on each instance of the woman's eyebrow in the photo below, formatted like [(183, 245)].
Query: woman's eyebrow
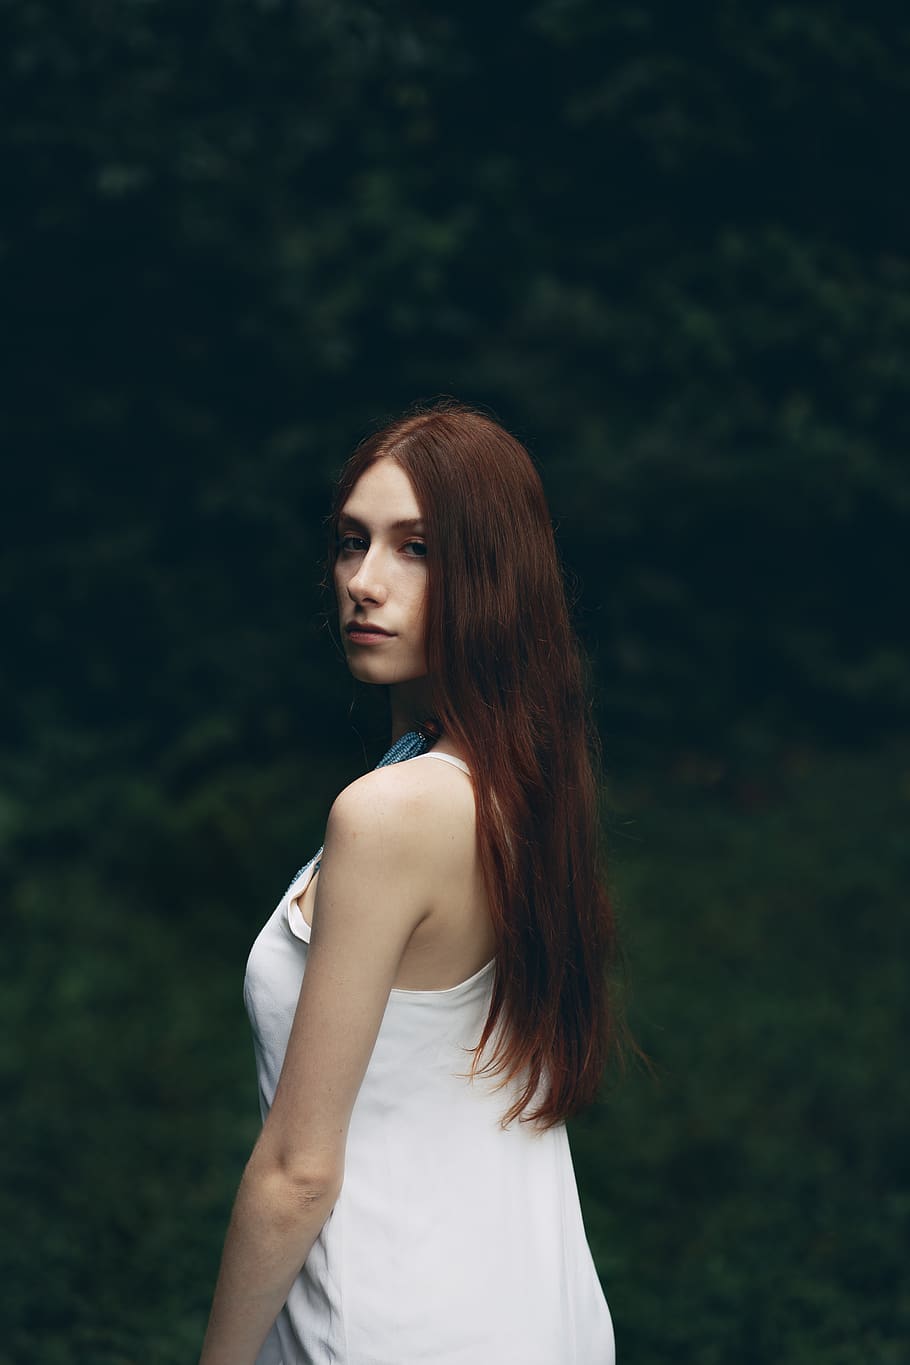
[(403, 524)]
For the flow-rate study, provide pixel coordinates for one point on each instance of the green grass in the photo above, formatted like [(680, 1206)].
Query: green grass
[(749, 1205)]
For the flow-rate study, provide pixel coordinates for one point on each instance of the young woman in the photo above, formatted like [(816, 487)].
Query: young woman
[(429, 998)]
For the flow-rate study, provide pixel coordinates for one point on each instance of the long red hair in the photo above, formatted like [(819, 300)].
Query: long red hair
[(508, 685)]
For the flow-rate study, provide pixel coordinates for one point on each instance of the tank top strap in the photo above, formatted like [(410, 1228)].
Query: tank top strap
[(448, 758)]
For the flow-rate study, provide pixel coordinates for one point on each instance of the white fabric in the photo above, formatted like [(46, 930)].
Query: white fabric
[(446, 758), (453, 1241)]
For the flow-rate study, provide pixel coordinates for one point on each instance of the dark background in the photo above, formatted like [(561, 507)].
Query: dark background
[(667, 246)]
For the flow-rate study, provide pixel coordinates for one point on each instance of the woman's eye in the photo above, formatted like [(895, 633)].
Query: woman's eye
[(356, 545)]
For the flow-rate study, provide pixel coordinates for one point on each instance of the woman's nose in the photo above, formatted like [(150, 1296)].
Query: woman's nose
[(366, 584)]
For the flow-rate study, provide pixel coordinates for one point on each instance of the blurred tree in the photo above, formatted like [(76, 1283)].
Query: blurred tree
[(667, 247)]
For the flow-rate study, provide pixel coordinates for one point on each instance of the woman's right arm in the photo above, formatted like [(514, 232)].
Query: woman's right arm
[(370, 896)]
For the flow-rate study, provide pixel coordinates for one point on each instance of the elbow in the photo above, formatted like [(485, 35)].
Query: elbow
[(312, 1189), (293, 1186)]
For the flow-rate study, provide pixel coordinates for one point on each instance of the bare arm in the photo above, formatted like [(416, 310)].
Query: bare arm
[(370, 897)]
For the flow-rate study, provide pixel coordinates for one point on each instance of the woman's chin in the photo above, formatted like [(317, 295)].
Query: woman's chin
[(367, 670)]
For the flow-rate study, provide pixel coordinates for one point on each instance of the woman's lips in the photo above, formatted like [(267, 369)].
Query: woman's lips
[(366, 635)]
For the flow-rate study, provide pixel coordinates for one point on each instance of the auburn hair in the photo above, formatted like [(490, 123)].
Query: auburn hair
[(507, 681)]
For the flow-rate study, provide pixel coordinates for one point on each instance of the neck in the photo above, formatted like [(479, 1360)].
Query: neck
[(409, 704)]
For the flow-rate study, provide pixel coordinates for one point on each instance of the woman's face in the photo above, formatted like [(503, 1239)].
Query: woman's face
[(381, 577)]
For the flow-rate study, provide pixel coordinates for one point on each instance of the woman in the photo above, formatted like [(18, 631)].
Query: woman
[(429, 998)]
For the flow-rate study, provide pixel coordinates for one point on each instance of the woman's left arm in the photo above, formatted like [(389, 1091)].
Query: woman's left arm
[(370, 897)]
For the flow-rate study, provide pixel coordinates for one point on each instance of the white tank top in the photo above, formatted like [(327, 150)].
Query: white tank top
[(453, 1241)]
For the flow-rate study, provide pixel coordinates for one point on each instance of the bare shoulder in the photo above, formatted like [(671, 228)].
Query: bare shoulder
[(404, 809)]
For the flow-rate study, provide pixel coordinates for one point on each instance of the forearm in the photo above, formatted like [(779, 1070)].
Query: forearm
[(273, 1225)]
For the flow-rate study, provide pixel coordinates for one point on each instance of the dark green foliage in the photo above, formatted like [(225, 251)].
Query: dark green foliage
[(763, 1180), (669, 249)]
